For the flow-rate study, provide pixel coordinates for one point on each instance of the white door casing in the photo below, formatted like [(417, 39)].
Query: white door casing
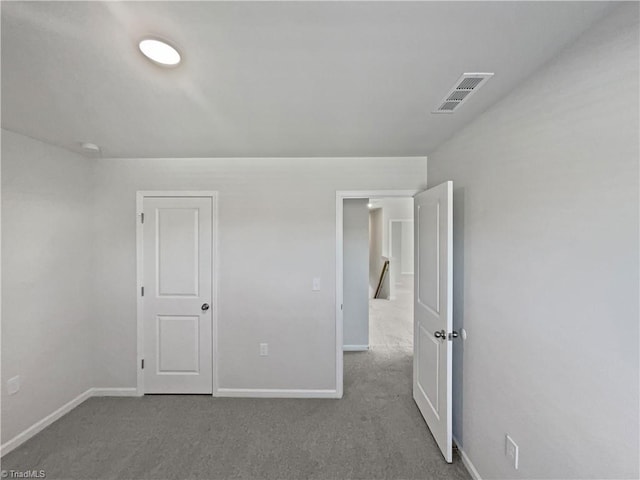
[(177, 255), (433, 324)]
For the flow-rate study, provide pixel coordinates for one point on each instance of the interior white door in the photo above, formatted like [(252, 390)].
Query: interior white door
[(433, 325), (177, 301)]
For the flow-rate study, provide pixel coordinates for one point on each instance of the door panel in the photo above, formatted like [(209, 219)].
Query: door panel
[(429, 351), (177, 266), (432, 359), (178, 344), (177, 261), (429, 270)]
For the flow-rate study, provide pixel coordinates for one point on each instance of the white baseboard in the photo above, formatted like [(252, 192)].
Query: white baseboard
[(355, 348), (44, 423), (115, 392), (66, 408), (37, 427), (467, 462), (275, 393)]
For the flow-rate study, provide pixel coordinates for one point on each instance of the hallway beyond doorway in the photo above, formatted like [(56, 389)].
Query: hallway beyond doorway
[(391, 321)]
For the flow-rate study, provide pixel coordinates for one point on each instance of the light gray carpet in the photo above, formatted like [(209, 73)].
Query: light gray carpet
[(374, 432)]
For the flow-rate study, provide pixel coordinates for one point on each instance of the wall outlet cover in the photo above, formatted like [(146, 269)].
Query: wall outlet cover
[(13, 385)]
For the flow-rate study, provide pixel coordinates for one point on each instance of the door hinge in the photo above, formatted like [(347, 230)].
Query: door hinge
[(142, 217), (142, 291), (142, 364), (340, 306)]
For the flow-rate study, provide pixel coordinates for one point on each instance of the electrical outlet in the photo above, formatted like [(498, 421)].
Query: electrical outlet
[(13, 385), (511, 451), (264, 349), (316, 285)]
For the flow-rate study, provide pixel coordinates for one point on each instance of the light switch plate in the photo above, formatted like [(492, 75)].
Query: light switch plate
[(316, 284), (264, 349)]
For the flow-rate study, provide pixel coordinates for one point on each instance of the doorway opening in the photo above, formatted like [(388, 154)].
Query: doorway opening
[(391, 273), (372, 292), (402, 308), (374, 270)]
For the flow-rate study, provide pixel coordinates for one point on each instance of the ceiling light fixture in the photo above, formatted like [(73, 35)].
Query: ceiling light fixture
[(159, 52), (90, 147)]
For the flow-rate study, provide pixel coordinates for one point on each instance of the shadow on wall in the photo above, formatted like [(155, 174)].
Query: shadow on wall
[(458, 312)]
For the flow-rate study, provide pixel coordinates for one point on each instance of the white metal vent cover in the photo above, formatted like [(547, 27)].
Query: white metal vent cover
[(467, 85)]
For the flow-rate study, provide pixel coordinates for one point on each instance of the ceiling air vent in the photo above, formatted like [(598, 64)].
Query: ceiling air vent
[(466, 86)]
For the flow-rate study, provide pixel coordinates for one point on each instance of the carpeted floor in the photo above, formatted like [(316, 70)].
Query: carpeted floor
[(391, 321), (374, 432)]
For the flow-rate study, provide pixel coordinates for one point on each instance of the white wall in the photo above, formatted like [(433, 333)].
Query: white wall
[(401, 245), (393, 209), (406, 250), (395, 256), (46, 289), (276, 232), (355, 312), (400, 253), (546, 265)]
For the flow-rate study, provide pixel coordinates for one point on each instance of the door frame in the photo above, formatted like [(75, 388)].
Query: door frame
[(392, 288), (400, 221), (140, 196), (342, 195)]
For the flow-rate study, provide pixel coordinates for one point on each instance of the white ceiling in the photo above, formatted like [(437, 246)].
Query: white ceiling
[(268, 78)]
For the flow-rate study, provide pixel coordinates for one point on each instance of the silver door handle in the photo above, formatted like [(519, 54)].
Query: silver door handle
[(205, 307), (442, 334)]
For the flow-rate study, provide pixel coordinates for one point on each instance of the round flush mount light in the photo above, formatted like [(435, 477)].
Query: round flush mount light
[(90, 147), (159, 52)]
